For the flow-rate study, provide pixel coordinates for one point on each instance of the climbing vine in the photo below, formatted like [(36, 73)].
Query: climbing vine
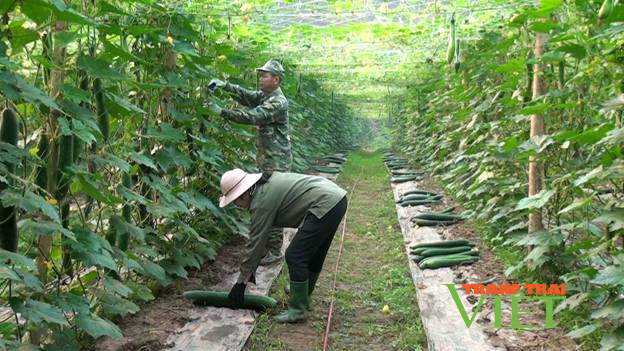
[(473, 133), (110, 164)]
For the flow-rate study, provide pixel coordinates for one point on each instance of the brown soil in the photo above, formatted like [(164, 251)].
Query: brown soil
[(148, 329)]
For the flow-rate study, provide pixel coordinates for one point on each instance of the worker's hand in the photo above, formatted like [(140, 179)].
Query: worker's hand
[(236, 297), (216, 83), (213, 108)]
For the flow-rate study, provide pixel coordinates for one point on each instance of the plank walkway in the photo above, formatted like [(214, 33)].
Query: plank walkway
[(443, 324)]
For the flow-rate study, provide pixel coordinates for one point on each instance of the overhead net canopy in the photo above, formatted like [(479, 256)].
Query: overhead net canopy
[(362, 49)]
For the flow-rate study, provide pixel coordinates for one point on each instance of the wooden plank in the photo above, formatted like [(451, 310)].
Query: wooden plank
[(443, 324)]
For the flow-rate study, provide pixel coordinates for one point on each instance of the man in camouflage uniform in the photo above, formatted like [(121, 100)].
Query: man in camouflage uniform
[(268, 110)]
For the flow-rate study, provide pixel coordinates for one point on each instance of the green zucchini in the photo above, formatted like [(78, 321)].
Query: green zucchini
[(403, 179), (39, 172), (448, 210), (405, 173), (220, 299), (325, 169), (100, 107), (126, 212), (437, 251), (421, 197), (431, 223), (334, 159), (450, 50), (446, 261), (418, 258), (445, 243), (421, 192), (438, 216), (418, 202), (9, 132), (605, 9)]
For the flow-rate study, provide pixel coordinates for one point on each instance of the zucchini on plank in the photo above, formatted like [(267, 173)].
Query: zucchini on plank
[(220, 299)]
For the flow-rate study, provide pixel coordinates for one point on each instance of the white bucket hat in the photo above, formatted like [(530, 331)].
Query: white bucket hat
[(234, 183)]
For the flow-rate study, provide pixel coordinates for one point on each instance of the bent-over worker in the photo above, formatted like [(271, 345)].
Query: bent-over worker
[(314, 204)]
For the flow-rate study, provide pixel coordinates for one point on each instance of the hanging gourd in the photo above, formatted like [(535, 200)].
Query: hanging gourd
[(457, 56), (605, 11), (450, 51)]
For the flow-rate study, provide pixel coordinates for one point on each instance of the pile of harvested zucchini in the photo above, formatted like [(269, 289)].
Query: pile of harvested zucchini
[(336, 158), (444, 254), (418, 197), (400, 169), (446, 217)]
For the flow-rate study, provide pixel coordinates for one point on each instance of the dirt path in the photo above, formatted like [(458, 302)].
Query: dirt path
[(373, 272)]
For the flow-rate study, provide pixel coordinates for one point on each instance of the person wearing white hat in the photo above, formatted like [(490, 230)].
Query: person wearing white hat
[(314, 204)]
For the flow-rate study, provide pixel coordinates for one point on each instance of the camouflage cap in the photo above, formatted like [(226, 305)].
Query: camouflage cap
[(272, 66)]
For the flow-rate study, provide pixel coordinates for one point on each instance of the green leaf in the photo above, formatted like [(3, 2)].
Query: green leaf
[(537, 201), (593, 135), (36, 10), (98, 68), (166, 132), (140, 291), (143, 159), (613, 340), (104, 6), (71, 303), (124, 104), (175, 268), (92, 249), (62, 39), (578, 203), (43, 227), (123, 227), (586, 330), (21, 277), (546, 7), (32, 94), (110, 159), (577, 51), (38, 311), (612, 275), (594, 173), (96, 326), (17, 259), (30, 202), (542, 238), (117, 287), (613, 218), (115, 305), (74, 94), (153, 270), (90, 188), (21, 36), (538, 108), (613, 311)]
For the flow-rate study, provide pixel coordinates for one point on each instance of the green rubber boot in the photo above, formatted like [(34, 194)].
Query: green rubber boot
[(313, 277), (297, 304)]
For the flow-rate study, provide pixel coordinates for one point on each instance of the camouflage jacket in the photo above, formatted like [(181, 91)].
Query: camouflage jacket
[(270, 116)]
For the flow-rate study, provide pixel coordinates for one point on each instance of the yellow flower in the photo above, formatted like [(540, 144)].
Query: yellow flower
[(221, 58), (52, 201), (169, 40), (386, 309)]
